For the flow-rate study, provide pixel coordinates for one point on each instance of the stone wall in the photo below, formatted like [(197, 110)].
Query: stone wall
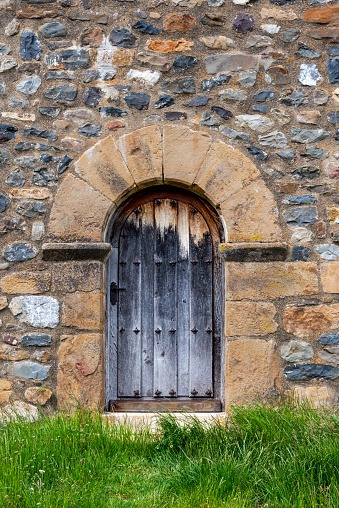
[(236, 101)]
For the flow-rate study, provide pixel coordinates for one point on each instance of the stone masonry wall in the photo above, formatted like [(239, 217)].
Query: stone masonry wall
[(261, 76)]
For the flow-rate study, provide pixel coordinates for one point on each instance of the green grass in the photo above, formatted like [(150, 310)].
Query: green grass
[(279, 455)]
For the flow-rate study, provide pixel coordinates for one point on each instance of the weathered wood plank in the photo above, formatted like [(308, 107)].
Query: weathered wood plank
[(129, 313), (165, 298), (111, 348), (159, 405), (147, 299), (183, 328), (201, 310)]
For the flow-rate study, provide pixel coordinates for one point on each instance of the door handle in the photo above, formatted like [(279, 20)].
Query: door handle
[(113, 293)]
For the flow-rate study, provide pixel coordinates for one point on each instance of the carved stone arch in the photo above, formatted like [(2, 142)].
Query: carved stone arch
[(114, 168)]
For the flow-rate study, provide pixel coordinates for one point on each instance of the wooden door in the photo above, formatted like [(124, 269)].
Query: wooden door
[(162, 329)]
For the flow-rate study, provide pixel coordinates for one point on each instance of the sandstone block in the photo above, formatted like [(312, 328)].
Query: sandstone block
[(3, 302), (260, 281), (179, 22), (38, 395), (252, 370), (183, 152), (103, 167), (250, 318), (31, 193), (224, 171), (80, 371), (330, 277), (5, 390), (12, 353), (316, 395), (83, 311), (70, 277), (305, 321), (167, 46), (26, 282), (19, 410), (142, 153), (322, 15), (251, 215), (276, 13), (79, 211)]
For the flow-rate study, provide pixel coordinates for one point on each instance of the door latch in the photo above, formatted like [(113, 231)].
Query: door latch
[(113, 294)]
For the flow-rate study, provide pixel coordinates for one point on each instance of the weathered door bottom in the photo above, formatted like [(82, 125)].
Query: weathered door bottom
[(160, 405)]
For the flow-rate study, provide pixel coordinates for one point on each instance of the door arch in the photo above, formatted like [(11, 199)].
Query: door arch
[(164, 324)]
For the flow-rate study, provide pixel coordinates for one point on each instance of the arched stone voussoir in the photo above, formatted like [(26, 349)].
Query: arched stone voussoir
[(104, 168), (142, 153), (79, 212), (224, 171), (251, 215), (183, 153)]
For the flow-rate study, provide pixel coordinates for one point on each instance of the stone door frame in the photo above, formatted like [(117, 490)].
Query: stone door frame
[(113, 169)]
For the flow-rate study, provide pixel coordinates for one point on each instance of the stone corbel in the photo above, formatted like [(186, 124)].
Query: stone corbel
[(76, 251), (254, 252)]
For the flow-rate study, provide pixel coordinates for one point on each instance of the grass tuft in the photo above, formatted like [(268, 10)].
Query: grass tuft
[(285, 454)]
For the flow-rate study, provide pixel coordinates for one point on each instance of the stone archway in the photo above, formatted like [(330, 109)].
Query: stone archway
[(113, 169)]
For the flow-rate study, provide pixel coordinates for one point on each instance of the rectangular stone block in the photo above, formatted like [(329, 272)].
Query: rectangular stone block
[(70, 277), (260, 281), (330, 277), (83, 311), (250, 318), (254, 252), (305, 321), (252, 370), (26, 283)]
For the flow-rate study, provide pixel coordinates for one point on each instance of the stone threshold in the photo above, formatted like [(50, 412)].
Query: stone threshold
[(254, 252), (141, 420), (76, 251)]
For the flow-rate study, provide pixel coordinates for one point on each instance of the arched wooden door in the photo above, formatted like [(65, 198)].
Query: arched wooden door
[(163, 305)]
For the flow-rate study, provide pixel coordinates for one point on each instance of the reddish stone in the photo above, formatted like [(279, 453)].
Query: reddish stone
[(327, 34), (322, 15), (114, 126), (91, 37), (11, 339), (333, 170), (279, 75), (37, 13), (180, 22)]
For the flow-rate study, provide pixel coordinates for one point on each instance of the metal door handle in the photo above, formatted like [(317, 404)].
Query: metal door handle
[(114, 292)]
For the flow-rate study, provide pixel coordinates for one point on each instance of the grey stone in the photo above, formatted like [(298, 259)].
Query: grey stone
[(4, 203), (29, 86), (36, 339), (182, 63), (259, 41), (328, 251), (52, 75), (38, 311), (316, 153), (309, 75), (306, 172), (61, 92), (201, 100), (53, 29), (24, 146), (30, 370), (14, 103), (15, 178), (51, 111), (2, 87), (106, 111), (301, 235), (300, 253), (296, 98), (71, 59), (5, 156), (146, 28), (333, 116), (30, 209), (30, 47), (275, 138), (7, 63), (232, 94), (301, 216), (261, 108), (90, 130), (179, 85), (137, 100), (209, 120), (243, 23), (164, 101), (19, 251), (308, 135), (320, 96), (296, 351), (329, 339), (5, 49), (255, 122), (25, 161), (90, 75), (301, 199), (332, 67), (63, 164), (307, 52), (44, 177), (173, 116), (8, 224), (7, 132), (264, 95), (41, 133), (308, 371), (92, 96), (288, 154), (257, 152), (333, 51), (236, 135), (225, 114), (247, 78), (122, 37), (290, 35), (207, 84), (223, 62)]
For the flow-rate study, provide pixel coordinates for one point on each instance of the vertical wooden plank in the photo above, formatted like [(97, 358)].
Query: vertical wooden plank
[(165, 298), (111, 331), (201, 309), (147, 299), (129, 309), (183, 328)]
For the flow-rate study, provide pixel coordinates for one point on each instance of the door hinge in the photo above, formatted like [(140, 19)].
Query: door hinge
[(114, 292)]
